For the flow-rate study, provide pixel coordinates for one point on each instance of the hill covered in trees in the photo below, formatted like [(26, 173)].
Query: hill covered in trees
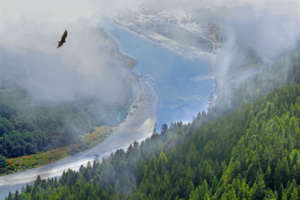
[(28, 126), (252, 153)]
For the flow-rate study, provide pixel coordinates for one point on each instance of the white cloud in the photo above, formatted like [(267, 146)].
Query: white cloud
[(87, 65), (29, 31)]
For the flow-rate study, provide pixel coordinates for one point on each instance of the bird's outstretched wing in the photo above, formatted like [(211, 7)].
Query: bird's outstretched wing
[(63, 39)]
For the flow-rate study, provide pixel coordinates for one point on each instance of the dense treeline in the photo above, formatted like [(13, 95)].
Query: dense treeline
[(252, 153), (28, 127)]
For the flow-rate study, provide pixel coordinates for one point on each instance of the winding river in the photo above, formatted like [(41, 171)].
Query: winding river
[(167, 87), (137, 126)]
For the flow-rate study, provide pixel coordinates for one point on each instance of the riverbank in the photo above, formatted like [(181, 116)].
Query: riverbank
[(137, 126), (87, 141)]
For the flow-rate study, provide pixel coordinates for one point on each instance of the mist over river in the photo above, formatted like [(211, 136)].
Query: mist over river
[(167, 87)]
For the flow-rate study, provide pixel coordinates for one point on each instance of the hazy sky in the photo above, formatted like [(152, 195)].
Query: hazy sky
[(29, 31)]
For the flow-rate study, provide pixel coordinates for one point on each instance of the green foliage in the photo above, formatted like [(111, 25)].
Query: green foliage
[(252, 153), (28, 126)]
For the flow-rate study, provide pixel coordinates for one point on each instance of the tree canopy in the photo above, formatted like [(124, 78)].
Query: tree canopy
[(252, 153)]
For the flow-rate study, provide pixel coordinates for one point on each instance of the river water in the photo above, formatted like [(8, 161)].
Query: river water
[(170, 87), (183, 84)]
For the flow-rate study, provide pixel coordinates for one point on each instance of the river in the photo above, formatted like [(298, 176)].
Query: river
[(183, 84), (137, 126), (167, 87)]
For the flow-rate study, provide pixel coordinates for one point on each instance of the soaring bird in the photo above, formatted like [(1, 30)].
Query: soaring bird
[(63, 39)]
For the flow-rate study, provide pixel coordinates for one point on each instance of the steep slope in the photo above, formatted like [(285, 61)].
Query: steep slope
[(253, 153), (250, 154)]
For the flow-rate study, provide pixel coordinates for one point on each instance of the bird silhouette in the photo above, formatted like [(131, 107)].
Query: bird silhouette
[(63, 39)]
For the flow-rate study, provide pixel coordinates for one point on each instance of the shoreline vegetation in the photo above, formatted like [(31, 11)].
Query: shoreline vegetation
[(87, 141)]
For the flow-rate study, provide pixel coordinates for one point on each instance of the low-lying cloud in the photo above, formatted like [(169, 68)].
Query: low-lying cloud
[(257, 40), (85, 66)]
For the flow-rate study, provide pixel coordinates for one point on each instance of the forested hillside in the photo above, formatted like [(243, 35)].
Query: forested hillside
[(28, 126), (252, 153)]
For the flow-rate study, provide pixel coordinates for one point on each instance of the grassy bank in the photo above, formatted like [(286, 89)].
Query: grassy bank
[(88, 140)]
